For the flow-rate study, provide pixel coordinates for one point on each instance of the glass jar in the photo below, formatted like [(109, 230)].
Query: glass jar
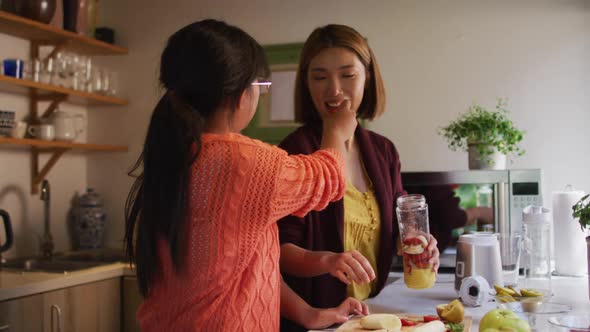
[(412, 217)]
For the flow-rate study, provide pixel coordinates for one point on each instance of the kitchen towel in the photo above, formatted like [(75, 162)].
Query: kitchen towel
[(474, 291), (569, 239)]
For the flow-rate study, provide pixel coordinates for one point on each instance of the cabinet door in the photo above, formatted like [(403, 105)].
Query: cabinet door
[(94, 307), (58, 301), (24, 314)]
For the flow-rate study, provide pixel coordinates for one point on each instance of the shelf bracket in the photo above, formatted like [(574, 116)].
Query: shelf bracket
[(39, 175), (56, 99), (56, 49)]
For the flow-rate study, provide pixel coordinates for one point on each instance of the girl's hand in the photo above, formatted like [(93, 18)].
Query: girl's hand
[(350, 266), (341, 121), (433, 252), (323, 318)]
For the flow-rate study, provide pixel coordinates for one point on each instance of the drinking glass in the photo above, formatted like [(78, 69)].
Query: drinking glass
[(510, 252)]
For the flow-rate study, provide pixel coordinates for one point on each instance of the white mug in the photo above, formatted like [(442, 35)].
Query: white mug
[(43, 131), (19, 130)]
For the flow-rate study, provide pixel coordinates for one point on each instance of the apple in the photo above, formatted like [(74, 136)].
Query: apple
[(503, 320), (502, 329)]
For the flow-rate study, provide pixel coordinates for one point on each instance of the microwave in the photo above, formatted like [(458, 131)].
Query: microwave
[(503, 194)]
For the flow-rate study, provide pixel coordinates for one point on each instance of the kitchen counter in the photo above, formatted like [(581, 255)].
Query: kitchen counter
[(397, 298), (15, 284)]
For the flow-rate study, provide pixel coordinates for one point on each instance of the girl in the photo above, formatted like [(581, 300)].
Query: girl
[(201, 216)]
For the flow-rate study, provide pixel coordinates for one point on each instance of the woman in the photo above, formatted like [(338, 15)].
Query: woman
[(347, 248), (201, 216)]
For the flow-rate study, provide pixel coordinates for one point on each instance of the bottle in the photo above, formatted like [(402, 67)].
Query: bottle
[(89, 221), (536, 226), (412, 216)]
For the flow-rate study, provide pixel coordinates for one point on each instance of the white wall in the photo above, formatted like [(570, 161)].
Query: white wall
[(437, 57)]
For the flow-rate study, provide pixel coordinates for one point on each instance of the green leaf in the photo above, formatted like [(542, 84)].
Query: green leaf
[(581, 210), (455, 327)]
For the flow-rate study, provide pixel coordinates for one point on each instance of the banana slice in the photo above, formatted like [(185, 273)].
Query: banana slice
[(515, 290), (529, 292), (504, 289), (381, 321)]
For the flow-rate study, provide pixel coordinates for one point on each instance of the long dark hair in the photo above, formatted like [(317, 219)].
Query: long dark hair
[(204, 65)]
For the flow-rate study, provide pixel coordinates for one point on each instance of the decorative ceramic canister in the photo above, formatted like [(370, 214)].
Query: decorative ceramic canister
[(89, 221)]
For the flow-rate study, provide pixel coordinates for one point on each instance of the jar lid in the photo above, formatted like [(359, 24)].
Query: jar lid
[(90, 198), (411, 201)]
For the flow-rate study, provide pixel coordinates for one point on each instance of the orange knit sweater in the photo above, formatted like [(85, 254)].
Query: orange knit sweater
[(239, 188)]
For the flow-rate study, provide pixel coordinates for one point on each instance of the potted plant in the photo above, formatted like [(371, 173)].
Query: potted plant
[(581, 210), (488, 136)]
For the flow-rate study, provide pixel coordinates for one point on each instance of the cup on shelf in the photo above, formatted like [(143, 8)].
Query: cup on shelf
[(32, 70), (19, 130), (45, 132), (13, 67)]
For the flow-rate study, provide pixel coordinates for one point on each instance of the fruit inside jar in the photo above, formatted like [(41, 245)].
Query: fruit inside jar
[(418, 273)]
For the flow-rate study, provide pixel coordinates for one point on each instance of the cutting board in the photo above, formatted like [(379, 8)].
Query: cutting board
[(354, 324)]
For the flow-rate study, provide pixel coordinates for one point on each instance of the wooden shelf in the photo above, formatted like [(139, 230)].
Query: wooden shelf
[(40, 34), (46, 34), (52, 145), (22, 86)]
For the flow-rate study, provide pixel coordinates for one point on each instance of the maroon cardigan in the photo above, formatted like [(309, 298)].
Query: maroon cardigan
[(324, 230)]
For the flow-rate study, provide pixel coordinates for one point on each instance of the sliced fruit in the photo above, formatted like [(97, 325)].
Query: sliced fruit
[(381, 321), (423, 240), (505, 298), (515, 290), (434, 326), (529, 292), (408, 322), (453, 312), (504, 289), (430, 318)]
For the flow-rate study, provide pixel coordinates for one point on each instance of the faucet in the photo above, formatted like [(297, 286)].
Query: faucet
[(46, 240)]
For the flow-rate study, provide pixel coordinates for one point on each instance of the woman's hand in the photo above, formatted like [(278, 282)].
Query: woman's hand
[(433, 252), (322, 318), (350, 266)]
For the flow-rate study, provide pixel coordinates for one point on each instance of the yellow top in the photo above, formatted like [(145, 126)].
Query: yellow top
[(361, 232)]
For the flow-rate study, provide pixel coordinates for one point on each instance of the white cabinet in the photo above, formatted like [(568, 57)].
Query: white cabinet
[(93, 307)]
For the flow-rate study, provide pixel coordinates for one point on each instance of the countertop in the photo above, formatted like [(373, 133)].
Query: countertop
[(14, 284), (397, 298)]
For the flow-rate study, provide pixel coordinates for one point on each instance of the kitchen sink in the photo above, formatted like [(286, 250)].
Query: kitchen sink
[(49, 265), (69, 261), (100, 256)]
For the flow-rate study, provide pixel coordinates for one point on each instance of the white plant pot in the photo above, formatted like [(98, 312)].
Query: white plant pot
[(588, 247), (497, 160)]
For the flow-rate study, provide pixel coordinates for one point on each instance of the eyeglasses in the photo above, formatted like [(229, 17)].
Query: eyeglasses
[(263, 86)]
